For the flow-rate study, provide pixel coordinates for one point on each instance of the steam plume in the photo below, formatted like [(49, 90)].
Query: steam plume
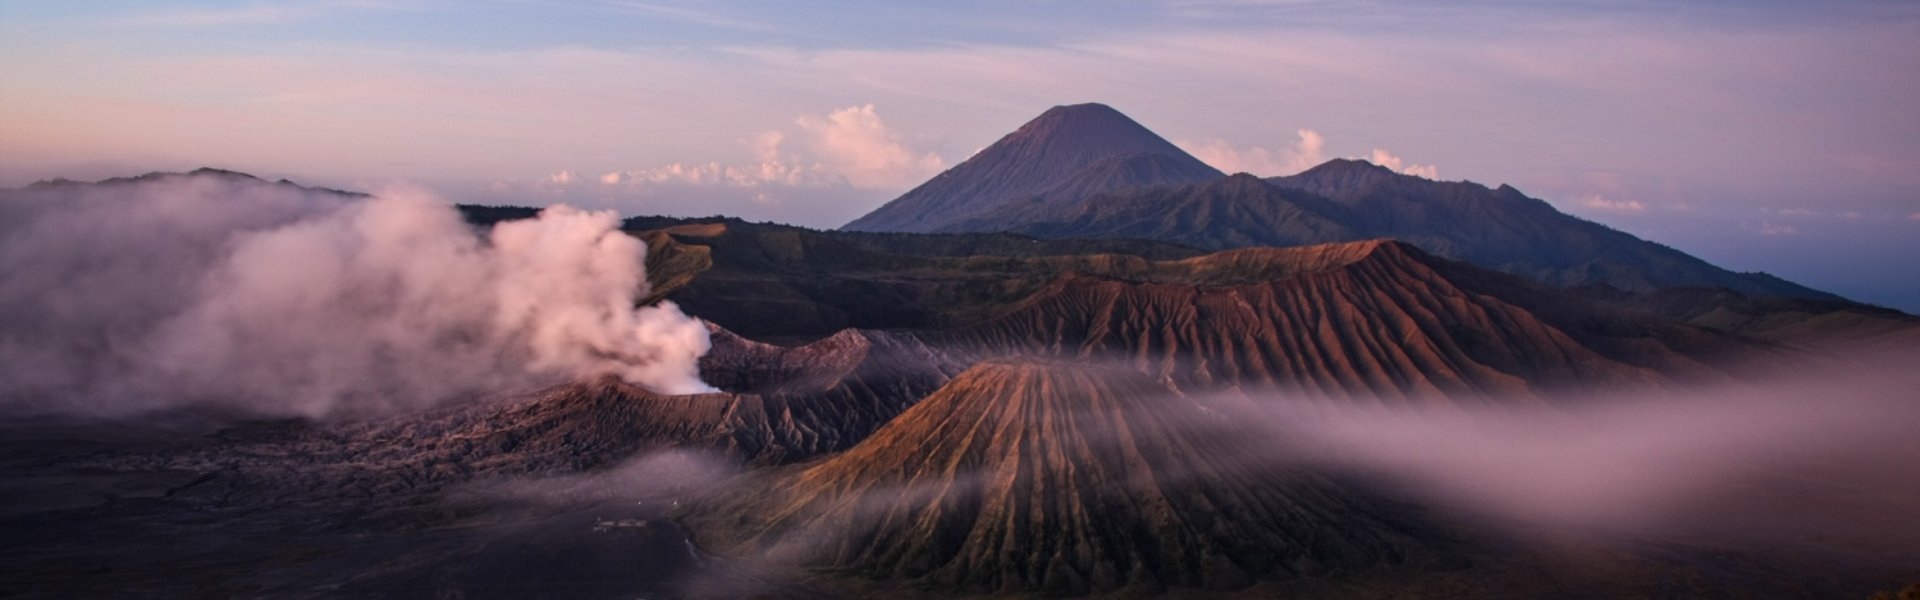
[(227, 290)]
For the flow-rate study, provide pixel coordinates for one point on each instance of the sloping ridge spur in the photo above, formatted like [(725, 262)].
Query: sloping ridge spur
[(1053, 477)]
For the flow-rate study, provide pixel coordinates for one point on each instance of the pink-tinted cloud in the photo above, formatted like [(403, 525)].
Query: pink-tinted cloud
[(855, 143), (1385, 159), (851, 146), (820, 172), (1310, 150), (1599, 202)]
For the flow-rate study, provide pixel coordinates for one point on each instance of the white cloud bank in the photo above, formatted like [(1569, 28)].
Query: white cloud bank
[(808, 174), (851, 146), (1309, 151)]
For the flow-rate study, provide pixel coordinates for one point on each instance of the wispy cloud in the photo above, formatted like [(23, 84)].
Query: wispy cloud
[(690, 14), (1599, 202), (255, 14)]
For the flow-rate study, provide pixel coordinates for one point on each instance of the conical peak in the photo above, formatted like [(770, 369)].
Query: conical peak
[(1093, 125), (1051, 151), (1086, 111)]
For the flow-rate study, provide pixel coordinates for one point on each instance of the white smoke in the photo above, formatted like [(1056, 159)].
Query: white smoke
[(226, 290)]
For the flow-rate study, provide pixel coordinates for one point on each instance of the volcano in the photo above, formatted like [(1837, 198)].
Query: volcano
[(1066, 153), (1087, 171), (1062, 478)]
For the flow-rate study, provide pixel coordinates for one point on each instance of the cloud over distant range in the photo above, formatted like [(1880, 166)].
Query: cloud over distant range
[(850, 152), (1310, 150)]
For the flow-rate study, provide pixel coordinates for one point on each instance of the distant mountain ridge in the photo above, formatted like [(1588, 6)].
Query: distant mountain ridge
[(1157, 196), (1061, 156)]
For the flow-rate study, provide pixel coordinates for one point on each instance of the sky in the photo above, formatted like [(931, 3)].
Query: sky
[(1761, 136)]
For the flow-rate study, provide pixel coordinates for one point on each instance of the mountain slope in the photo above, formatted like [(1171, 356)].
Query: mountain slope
[(1505, 230), (1060, 156), (1058, 478), (1347, 200), (1234, 212)]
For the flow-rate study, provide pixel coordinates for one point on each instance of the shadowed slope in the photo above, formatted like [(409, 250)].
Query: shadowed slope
[(1023, 476), (1839, 327), (1505, 230), (1234, 212)]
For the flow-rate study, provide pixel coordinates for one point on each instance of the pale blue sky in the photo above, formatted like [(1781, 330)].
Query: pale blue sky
[(1762, 136)]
